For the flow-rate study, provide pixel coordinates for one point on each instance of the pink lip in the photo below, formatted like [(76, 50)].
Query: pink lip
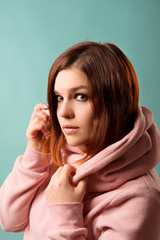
[(68, 129)]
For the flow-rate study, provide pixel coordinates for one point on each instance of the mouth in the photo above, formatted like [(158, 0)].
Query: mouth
[(69, 129)]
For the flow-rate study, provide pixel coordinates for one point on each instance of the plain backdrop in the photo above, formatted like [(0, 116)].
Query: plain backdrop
[(32, 35)]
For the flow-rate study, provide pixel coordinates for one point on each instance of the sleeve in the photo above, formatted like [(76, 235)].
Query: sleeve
[(135, 217), (18, 190), (67, 222)]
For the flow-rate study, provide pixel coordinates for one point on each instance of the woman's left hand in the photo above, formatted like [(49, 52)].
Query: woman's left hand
[(60, 188)]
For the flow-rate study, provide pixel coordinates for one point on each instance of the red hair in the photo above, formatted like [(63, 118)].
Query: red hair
[(114, 94)]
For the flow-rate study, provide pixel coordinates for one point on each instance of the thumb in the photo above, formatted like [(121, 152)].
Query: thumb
[(81, 187)]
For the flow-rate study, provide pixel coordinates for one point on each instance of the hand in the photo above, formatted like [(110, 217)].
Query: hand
[(39, 126), (60, 188)]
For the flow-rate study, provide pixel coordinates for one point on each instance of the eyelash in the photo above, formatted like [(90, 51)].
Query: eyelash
[(84, 97), (57, 97)]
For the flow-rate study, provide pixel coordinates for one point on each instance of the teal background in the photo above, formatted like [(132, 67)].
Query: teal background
[(32, 35)]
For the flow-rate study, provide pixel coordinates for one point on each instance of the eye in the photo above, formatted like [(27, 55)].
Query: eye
[(81, 97), (58, 98)]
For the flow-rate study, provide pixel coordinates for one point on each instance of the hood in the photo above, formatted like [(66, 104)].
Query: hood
[(134, 155)]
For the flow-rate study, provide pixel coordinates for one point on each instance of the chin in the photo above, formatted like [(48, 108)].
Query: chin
[(76, 143), (73, 144)]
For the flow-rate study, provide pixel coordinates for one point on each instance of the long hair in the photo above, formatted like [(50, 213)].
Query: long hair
[(114, 95)]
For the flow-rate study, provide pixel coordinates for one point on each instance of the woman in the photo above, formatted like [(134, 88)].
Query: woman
[(88, 169)]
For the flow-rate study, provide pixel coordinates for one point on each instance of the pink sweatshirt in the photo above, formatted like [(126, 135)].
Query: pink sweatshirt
[(122, 200)]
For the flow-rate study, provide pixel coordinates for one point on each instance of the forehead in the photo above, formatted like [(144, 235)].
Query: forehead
[(70, 78)]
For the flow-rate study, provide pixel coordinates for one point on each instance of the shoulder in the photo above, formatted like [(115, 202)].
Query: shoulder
[(133, 212), (144, 189)]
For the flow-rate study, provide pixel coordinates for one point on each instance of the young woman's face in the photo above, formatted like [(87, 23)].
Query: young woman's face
[(74, 109)]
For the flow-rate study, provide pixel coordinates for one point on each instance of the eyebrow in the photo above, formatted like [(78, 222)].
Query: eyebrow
[(74, 89)]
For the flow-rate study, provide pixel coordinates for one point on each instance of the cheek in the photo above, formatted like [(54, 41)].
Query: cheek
[(57, 114), (89, 120)]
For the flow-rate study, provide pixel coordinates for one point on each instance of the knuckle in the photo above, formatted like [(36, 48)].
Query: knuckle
[(45, 117), (38, 106), (37, 126), (35, 107), (66, 166)]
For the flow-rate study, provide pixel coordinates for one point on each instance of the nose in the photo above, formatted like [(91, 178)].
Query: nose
[(65, 110)]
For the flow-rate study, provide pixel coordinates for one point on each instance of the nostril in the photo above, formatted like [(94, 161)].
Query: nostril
[(67, 114), (65, 109)]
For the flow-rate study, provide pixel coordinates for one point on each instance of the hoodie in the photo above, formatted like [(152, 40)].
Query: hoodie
[(122, 200)]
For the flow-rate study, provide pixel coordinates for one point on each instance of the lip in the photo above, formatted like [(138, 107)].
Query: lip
[(69, 129)]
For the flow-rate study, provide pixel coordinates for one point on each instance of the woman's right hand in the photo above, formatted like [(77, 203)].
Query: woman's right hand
[(39, 126)]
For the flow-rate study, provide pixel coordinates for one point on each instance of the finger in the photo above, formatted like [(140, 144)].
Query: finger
[(58, 171), (46, 111), (35, 126), (40, 106), (39, 124), (40, 115), (67, 172), (56, 174), (81, 186)]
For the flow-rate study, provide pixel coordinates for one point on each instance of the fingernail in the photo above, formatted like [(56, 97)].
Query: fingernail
[(46, 111), (45, 106)]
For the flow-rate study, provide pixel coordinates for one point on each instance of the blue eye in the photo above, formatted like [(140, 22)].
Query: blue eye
[(81, 97)]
